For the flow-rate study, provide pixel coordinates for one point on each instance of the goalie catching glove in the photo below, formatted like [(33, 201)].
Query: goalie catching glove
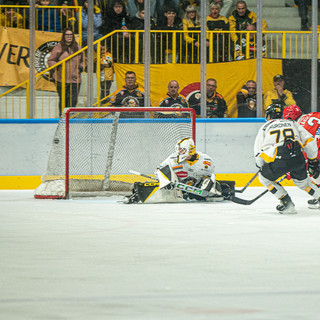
[(313, 168)]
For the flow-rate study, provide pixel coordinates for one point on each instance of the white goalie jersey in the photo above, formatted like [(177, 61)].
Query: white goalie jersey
[(191, 171), (273, 134)]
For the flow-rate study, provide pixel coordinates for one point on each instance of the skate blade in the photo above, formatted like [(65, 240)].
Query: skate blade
[(288, 212), (313, 206)]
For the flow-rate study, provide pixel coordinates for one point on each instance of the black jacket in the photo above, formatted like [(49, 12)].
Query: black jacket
[(246, 104)]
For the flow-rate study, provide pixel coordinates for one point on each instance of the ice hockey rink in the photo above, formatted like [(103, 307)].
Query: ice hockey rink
[(100, 259)]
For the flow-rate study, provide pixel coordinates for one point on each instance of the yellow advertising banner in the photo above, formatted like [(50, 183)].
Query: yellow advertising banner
[(230, 76), (15, 52)]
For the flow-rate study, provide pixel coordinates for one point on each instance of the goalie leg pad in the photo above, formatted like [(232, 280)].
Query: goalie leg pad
[(142, 191)]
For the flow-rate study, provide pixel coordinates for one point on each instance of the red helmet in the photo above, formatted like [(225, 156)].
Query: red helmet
[(292, 112)]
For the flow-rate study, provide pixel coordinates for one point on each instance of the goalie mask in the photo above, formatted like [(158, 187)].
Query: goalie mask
[(292, 112), (185, 148)]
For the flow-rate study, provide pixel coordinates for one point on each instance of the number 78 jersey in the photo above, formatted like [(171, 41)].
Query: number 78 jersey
[(273, 134)]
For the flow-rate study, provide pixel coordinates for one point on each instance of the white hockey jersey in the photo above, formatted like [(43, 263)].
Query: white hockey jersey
[(273, 134), (200, 168)]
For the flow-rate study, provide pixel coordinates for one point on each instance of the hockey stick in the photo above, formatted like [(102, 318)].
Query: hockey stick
[(248, 202), (142, 175), (239, 191), (180, 186), (249, 182)]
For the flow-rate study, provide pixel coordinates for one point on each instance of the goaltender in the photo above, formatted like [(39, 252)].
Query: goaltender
[(186, 175)]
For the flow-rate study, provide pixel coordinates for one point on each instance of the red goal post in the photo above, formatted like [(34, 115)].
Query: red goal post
[(94, 149)]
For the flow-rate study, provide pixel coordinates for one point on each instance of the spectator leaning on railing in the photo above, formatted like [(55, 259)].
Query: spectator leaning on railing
[(171, 22), (241, 17), (220, 41), (192, 22), (241, 45)]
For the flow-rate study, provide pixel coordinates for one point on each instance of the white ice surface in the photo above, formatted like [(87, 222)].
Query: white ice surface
[(100, 259)]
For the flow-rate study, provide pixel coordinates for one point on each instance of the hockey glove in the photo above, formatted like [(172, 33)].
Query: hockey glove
[(212, 186), (313, 168)]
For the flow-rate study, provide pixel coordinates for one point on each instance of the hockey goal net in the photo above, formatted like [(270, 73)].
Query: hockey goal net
[(94, 149)]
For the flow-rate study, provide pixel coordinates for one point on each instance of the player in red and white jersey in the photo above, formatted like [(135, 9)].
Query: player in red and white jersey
[(311, 122)]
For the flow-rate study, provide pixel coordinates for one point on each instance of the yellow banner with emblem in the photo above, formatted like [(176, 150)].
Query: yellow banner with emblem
[(15, 54), (230, 76)]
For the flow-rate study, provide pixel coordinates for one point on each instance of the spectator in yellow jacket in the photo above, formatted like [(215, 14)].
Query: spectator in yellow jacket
[(219, 41), (279, 93), (241, 17), (192, 22), (10, 18)]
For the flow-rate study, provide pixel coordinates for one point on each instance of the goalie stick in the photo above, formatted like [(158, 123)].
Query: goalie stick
[(238, 191), (248, 202), (142, 175), (180, 186)]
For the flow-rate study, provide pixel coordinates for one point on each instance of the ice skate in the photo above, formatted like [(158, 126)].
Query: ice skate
[(313, 204), (286, 206)]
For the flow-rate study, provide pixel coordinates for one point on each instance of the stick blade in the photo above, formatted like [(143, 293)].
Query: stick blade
[(248, 202)]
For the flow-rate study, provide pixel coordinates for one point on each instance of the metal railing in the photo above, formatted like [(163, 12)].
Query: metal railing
[(166, 47), (48, 18)]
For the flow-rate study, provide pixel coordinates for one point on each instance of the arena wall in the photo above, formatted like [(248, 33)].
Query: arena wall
[(25, 147)]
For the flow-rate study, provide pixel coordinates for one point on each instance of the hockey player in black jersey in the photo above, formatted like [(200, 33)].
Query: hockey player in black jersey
[(278, 150)]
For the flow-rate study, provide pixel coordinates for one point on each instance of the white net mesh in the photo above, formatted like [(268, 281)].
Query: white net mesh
[(104, 146)]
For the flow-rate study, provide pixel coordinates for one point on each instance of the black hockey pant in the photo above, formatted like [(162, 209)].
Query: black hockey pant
[(296, 165)]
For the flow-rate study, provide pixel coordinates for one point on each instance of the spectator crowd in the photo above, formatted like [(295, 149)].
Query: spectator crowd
[(181, 16), (166, 16)]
